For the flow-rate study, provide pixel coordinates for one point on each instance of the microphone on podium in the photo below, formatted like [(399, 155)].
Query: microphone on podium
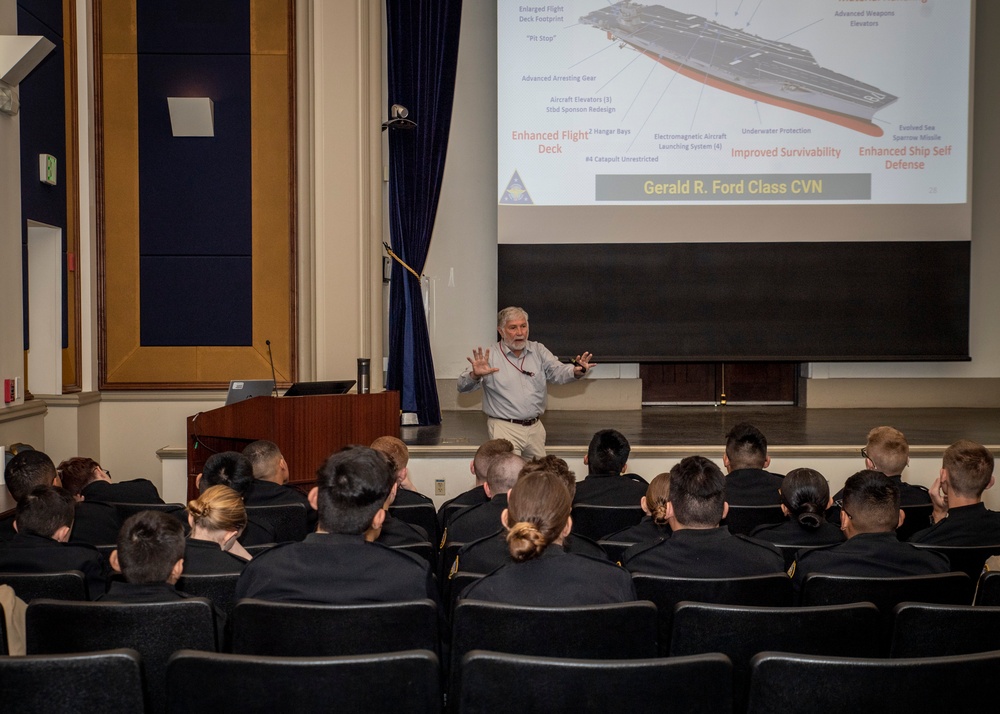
[(270, 359)]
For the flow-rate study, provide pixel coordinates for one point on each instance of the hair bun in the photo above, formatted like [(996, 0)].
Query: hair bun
[(525, 541)]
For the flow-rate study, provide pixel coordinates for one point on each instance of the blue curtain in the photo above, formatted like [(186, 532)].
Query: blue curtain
[(422, 46)]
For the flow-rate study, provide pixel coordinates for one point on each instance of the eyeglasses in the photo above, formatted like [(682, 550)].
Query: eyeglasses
[(839, 503), (864, 454)]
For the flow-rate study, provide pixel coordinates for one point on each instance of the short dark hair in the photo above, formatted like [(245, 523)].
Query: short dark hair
[(485, 454), (26, 470), (969, 466), (77, 473), (697, 492), (746, 446), (264, 457), (352, 486), (149, 545), (45, 510), (504, 471), (608, 452), (553, 465), (227, 468), (871, 501)]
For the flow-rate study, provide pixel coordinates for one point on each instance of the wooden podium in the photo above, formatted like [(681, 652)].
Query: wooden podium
[(306, 429)]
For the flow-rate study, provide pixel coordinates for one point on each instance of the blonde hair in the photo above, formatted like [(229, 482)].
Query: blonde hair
[(888, 450), (395, 449), (218, 508), (656, 498), (538, 508)]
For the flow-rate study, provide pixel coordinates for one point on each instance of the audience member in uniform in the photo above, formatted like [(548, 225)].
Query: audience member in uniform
[(654, 526), (84, 476), (232, 469), (270, 472), (869, 517), (805, 496), (395, 531), (95, 523), (747, 482), (336, 565), (399, 454), (217, 518), (960, 517), (43, 522), (607, 482), (484, 520), (487, 554), (888, 452), (479, 466), (150, 556), (698, 547), (543, 574)]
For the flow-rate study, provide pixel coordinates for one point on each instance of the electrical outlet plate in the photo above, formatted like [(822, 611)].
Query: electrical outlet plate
[(439, 489)]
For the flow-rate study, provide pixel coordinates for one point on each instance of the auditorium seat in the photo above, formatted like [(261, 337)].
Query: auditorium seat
[(220, 588), (289, 521), (177, 510), (740, 632), (499, 682), (886, 593), (595, 521), (742, 519), (789, 552), (419, 514), (965, 559), (927, 630), (286, 629), (69, 585), (988, 591), (255, 550), (398, 682), (916, 519), (807, 684), (665, 592), (614, 549), (617, 631), (107, 681), (155, 630), (455, 584), (425, 551)]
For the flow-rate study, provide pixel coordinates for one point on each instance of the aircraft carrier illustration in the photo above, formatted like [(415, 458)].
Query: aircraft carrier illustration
[(735, 61)]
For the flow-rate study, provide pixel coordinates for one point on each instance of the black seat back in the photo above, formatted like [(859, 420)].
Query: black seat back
[(284, 629), (220, 588), (763, 590), (740, 632), (614, 549), (782, 682), (498, 682), (398, 682), (965, 559), (456, 583), (886, 593), (424, 550), (289, 521), (154, 630), (927, 630), (107, 681), (988, 591), (419, 514), (917, 518), (177, 510), (595, 521), (68, 585)]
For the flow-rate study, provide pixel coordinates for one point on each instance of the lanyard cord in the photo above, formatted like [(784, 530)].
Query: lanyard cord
[(518, 368)]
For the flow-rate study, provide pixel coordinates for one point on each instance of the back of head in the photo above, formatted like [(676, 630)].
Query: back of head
[(657, 496), (352, 486), (871, 501), (503, 473), (264, 457), (806, 494), (608, 452), (77, 473), (227, 468), (553, 465), (149, 545), (26, 470), (969, 466), (746, 447), (395, 449), (218, 508), (538, 508), (486, 453), (888, 450), (44, 510), (697, 492)]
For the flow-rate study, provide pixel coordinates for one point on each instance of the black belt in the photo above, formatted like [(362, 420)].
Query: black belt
[(522, 422)]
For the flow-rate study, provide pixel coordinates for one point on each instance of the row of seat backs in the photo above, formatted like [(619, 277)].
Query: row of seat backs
[(290, 521)]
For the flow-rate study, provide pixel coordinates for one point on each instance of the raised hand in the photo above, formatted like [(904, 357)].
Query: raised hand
[(480, 362), (582, 364)]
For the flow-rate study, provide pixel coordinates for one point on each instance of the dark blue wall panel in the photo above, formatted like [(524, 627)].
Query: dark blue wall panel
[(195, 192), (43, 131), (204, 301), (193, 26)]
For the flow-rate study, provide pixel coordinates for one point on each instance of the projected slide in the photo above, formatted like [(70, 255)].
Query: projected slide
[(733, 102)]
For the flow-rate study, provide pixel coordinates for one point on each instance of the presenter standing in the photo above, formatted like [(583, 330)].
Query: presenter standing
[(514, 376)]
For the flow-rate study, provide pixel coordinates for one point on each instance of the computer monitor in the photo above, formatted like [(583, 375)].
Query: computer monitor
[(243, 389), (301, 389)]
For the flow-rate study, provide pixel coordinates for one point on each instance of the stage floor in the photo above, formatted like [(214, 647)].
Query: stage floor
[(707, 426)]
